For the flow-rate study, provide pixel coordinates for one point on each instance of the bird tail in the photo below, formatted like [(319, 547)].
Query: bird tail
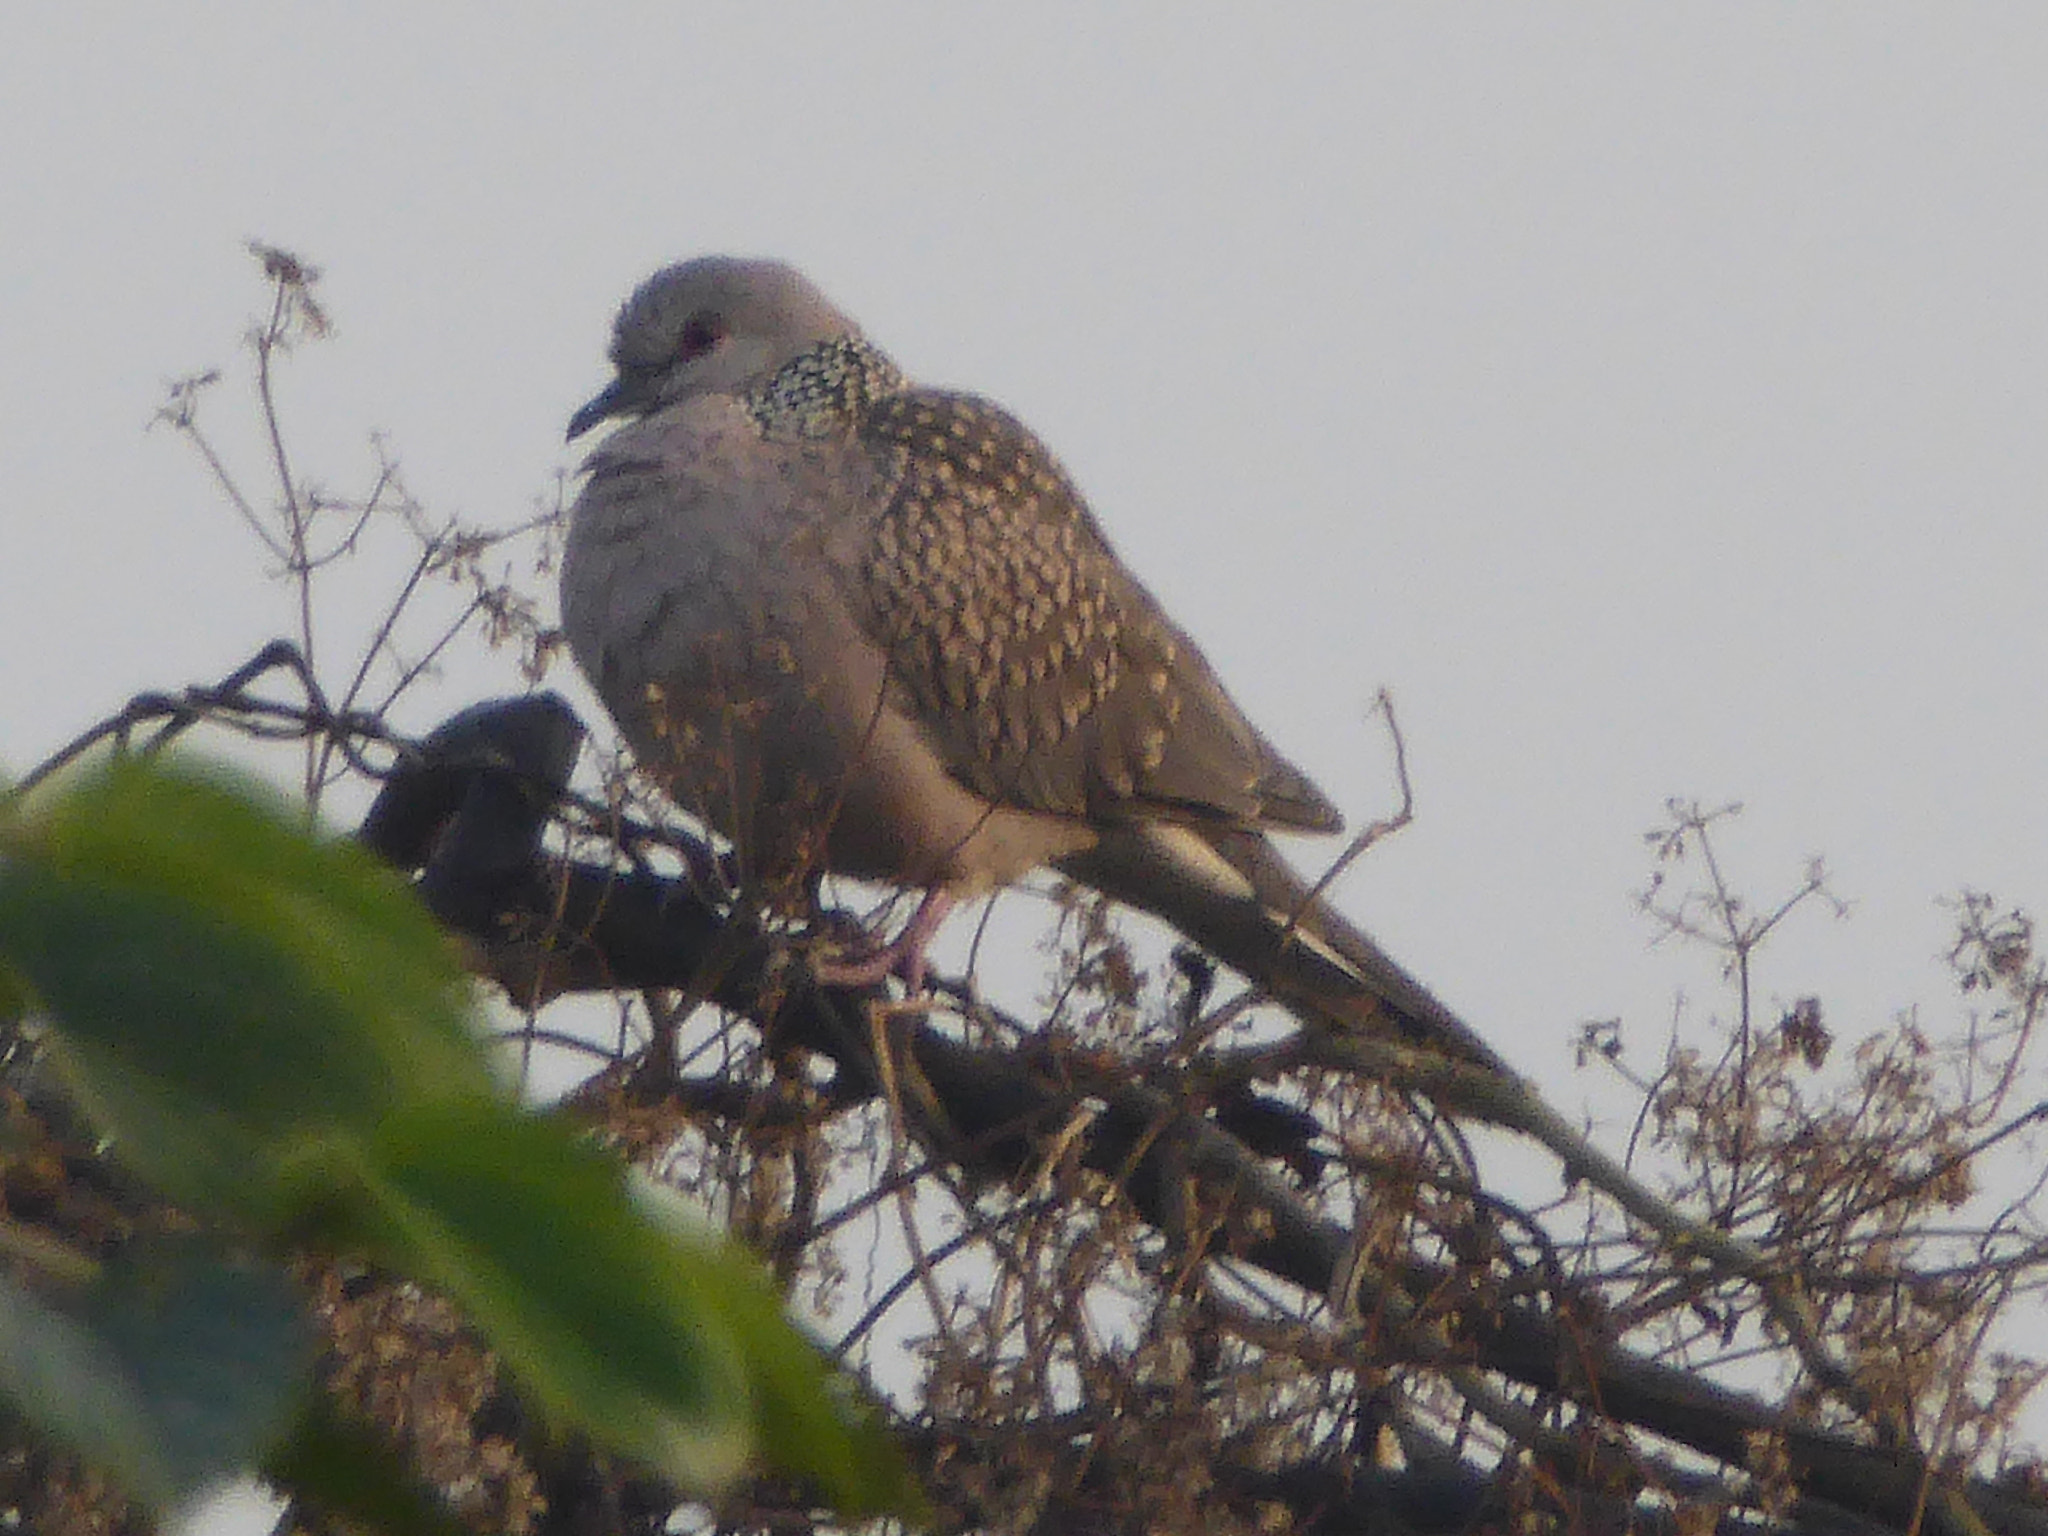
[(1231, 892)]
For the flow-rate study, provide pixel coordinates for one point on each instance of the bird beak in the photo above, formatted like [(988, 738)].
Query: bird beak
[(613, 400)]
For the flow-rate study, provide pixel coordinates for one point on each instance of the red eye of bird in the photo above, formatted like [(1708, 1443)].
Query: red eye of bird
[(701, 332)]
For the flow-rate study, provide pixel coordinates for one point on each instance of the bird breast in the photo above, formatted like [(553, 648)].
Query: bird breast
[(706, 581)]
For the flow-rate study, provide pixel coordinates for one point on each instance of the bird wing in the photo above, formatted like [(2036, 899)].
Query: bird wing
[(1043, 673)]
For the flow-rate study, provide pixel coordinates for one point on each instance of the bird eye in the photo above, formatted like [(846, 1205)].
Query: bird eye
[(701, 332)]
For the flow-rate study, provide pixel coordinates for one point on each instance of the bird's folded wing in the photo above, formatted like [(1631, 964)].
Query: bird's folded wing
[(1042, 672)]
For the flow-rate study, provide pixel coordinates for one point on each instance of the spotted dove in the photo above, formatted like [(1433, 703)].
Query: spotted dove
[(862, 626)]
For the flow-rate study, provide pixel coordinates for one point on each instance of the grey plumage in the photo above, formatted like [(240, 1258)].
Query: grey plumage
[(863, 626)]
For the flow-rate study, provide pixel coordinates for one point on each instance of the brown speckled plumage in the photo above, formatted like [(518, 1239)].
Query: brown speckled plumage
[(991, 593), (870, 627), (1047, 677)]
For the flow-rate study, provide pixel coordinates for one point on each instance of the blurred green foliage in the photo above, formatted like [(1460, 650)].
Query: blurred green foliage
[(272, 1031)]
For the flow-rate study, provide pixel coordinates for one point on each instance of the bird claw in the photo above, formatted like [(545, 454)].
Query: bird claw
[(868, 964)]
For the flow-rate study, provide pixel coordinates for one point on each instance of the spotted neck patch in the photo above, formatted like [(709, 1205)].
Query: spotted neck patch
[(824, 390)]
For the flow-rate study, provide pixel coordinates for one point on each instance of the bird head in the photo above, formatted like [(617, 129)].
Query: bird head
[(713, 325)]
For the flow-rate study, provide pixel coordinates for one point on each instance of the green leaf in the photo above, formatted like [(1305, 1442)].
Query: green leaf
[(658, 1339), (531, 1232), (342, 1469), (175, 1368), (274, 1030), (806, 1419), (13, 996), (221, 980)]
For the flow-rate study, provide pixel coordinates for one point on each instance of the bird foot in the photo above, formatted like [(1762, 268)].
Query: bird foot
[(868, 964)]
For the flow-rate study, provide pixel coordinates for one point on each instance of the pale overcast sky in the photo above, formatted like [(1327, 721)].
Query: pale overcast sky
[(1652, 397)]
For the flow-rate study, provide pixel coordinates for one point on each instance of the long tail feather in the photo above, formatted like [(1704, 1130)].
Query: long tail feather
[(1233, 894)]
